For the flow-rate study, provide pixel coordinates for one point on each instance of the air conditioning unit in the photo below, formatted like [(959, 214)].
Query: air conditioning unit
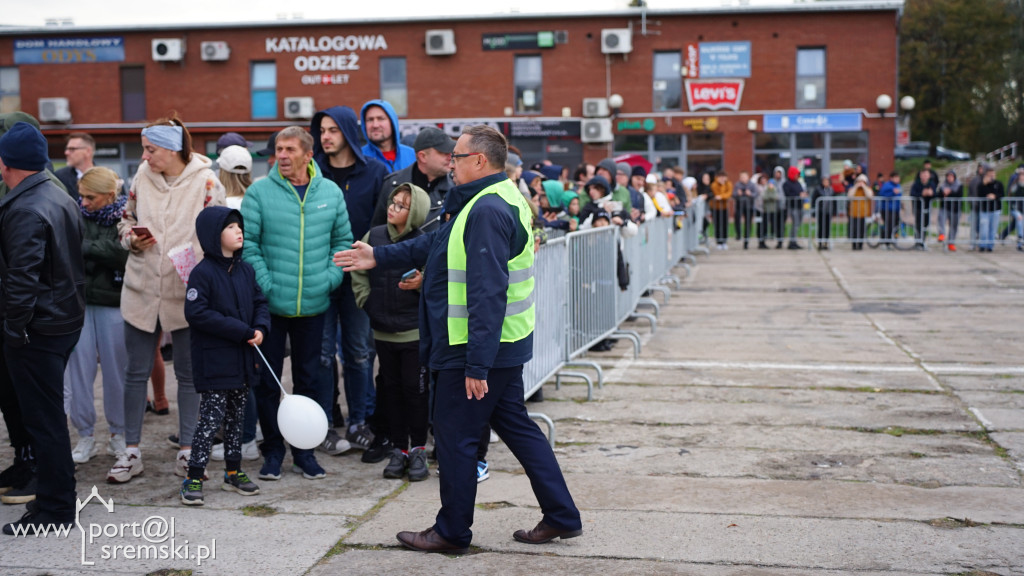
[(168, 49), (215, 51), (440, 42), (595, 107), (300, 107), (596, 130), (54, 110), (616, 41)]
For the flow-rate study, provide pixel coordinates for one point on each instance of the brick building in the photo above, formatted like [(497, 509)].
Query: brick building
[(735, 87)]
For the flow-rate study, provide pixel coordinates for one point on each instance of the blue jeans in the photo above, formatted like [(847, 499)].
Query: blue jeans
[(988, 222), (357, 367)]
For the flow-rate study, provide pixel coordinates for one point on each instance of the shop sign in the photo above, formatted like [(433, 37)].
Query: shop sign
[(646, 124), (709, 124), (541, 129), (519, 41), (325, 56), (825, 122), (717, 60), (714, 95), (68, 50)]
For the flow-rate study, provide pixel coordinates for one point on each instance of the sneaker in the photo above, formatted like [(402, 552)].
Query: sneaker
[(396, 467), (181, 463), (173, 441), (250, 451), (334, 444), (271, 469), (361, 437), (952, 247), (32, 522), (115, 445), (307, 465), (21, 494), (379, 449), (483, 472), (85, 450), (15, 475), (128, 466), (239, 483), (192, 492), (418, 464), (942, 237)]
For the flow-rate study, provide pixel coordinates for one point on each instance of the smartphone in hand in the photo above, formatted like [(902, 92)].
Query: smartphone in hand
[(141, 232), (408, 275)]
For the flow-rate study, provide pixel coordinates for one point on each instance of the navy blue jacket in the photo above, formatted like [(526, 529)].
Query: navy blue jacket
[(363, 183), (493, 235), (224, 307)]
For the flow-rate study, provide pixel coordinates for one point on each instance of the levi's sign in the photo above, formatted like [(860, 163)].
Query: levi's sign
[(714, 95)]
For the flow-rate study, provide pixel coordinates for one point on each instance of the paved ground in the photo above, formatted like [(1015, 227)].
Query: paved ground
[(795, 413)]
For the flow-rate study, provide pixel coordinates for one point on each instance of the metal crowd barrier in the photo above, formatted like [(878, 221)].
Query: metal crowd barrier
[(579, 303), (906, 222)]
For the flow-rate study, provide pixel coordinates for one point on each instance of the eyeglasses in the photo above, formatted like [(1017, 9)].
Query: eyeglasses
[(73, 148), (398, 207), (457, 156)]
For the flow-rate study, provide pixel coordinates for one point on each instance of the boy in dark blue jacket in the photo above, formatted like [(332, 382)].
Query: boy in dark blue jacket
[(228, 315)]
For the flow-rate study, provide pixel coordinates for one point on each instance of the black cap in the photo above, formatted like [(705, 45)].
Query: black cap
[(271, 144), (435, 138)]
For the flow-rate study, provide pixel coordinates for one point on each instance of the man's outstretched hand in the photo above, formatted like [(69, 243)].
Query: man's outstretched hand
[(360, 257)]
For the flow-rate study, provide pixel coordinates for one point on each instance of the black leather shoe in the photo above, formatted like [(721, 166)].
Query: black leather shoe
[(33, 523), (428, 541), (544, 533)]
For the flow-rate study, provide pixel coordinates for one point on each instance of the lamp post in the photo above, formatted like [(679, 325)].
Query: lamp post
[(907, 104), (883, 102), (615, 102)]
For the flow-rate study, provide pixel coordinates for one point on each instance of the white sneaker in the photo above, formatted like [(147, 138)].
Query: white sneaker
[(250, 451), (116, 445), (494, 437), (128, 466), (85, 450), (181, 464)]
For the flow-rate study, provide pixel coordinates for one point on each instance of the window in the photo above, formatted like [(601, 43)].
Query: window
[(528, 80), (263, 90), (810, 78), (694, 152), (668, 84), (10, 90), (133, 94), (392, 84)]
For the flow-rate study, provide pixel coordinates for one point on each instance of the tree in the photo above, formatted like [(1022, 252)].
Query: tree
[(955, 59)]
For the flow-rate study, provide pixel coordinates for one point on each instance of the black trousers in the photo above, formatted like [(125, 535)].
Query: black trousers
[(38, 368), (825, 220), (771, 225), (857, 232), (458, 423), (11, 411), (922, 216), (403, 392), (890, 220), (744, 217), (721, 223)]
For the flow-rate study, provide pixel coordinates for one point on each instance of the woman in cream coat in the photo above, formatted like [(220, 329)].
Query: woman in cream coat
[(172, 186)]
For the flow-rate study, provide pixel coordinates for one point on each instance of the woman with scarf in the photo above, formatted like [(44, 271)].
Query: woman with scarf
[(170, 189), (103, 332)]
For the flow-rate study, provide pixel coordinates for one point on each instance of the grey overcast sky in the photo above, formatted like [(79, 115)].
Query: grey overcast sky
[(122, 12)]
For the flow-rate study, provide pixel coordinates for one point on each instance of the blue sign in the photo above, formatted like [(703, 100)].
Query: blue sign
[(725, 59), (836, 122), (68, 50)]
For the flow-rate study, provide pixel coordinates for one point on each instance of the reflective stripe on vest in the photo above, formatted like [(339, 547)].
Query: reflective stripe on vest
[(519, 317)]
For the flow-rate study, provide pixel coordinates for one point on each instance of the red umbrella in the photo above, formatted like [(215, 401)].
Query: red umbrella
[(635, 160)]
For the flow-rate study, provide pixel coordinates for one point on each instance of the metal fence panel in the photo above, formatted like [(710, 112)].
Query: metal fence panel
[(592, 287), (550, 308)]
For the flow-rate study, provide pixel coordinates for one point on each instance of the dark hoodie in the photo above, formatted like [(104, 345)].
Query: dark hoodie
[(361, 182), (224, 307), (393, 312), (404, 155)]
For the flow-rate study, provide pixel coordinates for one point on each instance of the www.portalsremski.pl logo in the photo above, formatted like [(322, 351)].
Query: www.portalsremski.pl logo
[(113, 540)]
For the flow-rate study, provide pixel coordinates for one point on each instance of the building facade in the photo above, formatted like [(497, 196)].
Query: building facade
[(739, 88)]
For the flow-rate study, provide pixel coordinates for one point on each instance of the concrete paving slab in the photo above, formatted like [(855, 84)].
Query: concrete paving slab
[(776, 374), (1004, 381)]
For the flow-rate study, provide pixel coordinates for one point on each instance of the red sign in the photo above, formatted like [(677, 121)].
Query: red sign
[(714, 95), (692, 63)]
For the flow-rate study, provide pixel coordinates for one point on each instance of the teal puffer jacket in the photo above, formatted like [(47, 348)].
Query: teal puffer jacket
[(290, 242)]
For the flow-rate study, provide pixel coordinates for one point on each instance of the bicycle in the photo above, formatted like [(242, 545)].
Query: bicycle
[(902, 235)]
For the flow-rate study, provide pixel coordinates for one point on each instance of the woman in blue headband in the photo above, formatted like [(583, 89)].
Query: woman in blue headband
[(170, 189)]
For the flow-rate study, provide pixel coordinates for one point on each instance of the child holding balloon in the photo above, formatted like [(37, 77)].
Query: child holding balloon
[(228, 316)]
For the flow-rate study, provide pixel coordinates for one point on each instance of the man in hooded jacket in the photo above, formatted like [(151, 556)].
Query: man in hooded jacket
[(380, 128), (335, 134)]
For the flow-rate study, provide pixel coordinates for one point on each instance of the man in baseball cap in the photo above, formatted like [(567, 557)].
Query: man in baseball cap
[(430, 172)]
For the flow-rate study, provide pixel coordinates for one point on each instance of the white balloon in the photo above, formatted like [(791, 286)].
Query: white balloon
[(302, 421)]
